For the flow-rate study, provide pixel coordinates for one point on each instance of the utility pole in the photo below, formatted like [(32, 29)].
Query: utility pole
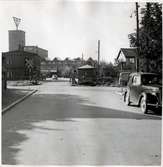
[(99, 58), (137, 33)]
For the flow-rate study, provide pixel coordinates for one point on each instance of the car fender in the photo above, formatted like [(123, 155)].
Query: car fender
[(124, 95), (125, 92), (147, 95), (143, 94)]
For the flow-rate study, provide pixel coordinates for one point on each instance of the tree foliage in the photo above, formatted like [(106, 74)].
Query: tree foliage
[(108, 69), (150, 36), (91, 61)]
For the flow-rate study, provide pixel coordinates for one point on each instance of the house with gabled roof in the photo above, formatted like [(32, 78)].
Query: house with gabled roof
[(127, 59)]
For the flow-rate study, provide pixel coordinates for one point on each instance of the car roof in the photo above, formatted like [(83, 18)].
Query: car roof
[(142, 73), (122, 73)]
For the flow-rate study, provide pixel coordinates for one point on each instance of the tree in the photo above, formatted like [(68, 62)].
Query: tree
[(91, 62), (67, 59), (150, 37), (108, 69), (55, 59), (77, 59), (133, 39)]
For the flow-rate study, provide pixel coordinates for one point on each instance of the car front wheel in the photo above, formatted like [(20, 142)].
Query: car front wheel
[(143, 105)]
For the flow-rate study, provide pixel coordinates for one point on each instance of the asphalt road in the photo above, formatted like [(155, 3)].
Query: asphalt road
[(65, 125)]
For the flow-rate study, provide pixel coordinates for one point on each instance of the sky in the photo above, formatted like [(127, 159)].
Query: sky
[(70, 28)]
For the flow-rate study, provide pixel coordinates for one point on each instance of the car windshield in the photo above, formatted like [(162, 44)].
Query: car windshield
[(149, 79), (124, 76)]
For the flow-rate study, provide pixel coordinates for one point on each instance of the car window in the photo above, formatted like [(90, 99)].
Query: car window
[(136, 80), (124, 76), (148, 79)]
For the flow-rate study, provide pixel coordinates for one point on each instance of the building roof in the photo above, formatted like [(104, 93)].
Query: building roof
[(128, 52), (19, 51), (32, 47), (143, 73), (86, 67)]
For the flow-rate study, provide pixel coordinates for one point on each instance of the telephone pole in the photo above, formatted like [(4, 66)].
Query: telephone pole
[(98, 58), (137, 34), (82, 58)]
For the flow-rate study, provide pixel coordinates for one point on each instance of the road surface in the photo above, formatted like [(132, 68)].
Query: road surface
[(65, 125)]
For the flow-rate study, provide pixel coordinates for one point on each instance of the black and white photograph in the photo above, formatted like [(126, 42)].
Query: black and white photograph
[(81, 82)]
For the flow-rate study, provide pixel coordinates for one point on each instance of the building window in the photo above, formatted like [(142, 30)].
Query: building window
[(11, 60), (8, 74), (11, 74), (132, 60), (42, 63), (7, 61)]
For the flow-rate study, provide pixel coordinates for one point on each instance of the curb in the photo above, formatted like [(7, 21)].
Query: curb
[(17, 101)]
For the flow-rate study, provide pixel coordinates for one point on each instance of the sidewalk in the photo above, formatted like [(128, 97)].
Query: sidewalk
[(13, 96), (19, 83), (16, 92)]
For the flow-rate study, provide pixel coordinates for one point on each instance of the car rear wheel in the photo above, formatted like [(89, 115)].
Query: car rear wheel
[(127, 98), (143, 105)]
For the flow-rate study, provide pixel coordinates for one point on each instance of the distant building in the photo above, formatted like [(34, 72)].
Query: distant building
[(16, 40), (21, 65), (63, 68), (48, 68), (43, 53), (127, 59)]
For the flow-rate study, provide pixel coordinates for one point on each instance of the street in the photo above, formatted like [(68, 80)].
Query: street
[(79, 125)]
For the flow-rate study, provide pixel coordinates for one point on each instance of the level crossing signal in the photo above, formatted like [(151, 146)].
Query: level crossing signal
[(29, 63)]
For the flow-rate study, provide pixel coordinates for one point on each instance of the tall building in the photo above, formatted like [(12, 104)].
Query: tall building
[(21, 61), (16, 40)]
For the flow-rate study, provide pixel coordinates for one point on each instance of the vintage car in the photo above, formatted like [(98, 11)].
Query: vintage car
[(144, 90)]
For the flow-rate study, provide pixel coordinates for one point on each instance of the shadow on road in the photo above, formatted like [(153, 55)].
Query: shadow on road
[(151, 111), (56, 107), (56, 80), (63, 106)]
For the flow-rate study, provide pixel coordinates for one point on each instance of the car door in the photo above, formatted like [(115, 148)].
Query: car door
[(134, 89)]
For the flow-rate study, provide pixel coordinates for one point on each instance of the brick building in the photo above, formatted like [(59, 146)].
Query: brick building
[(21, 65)]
